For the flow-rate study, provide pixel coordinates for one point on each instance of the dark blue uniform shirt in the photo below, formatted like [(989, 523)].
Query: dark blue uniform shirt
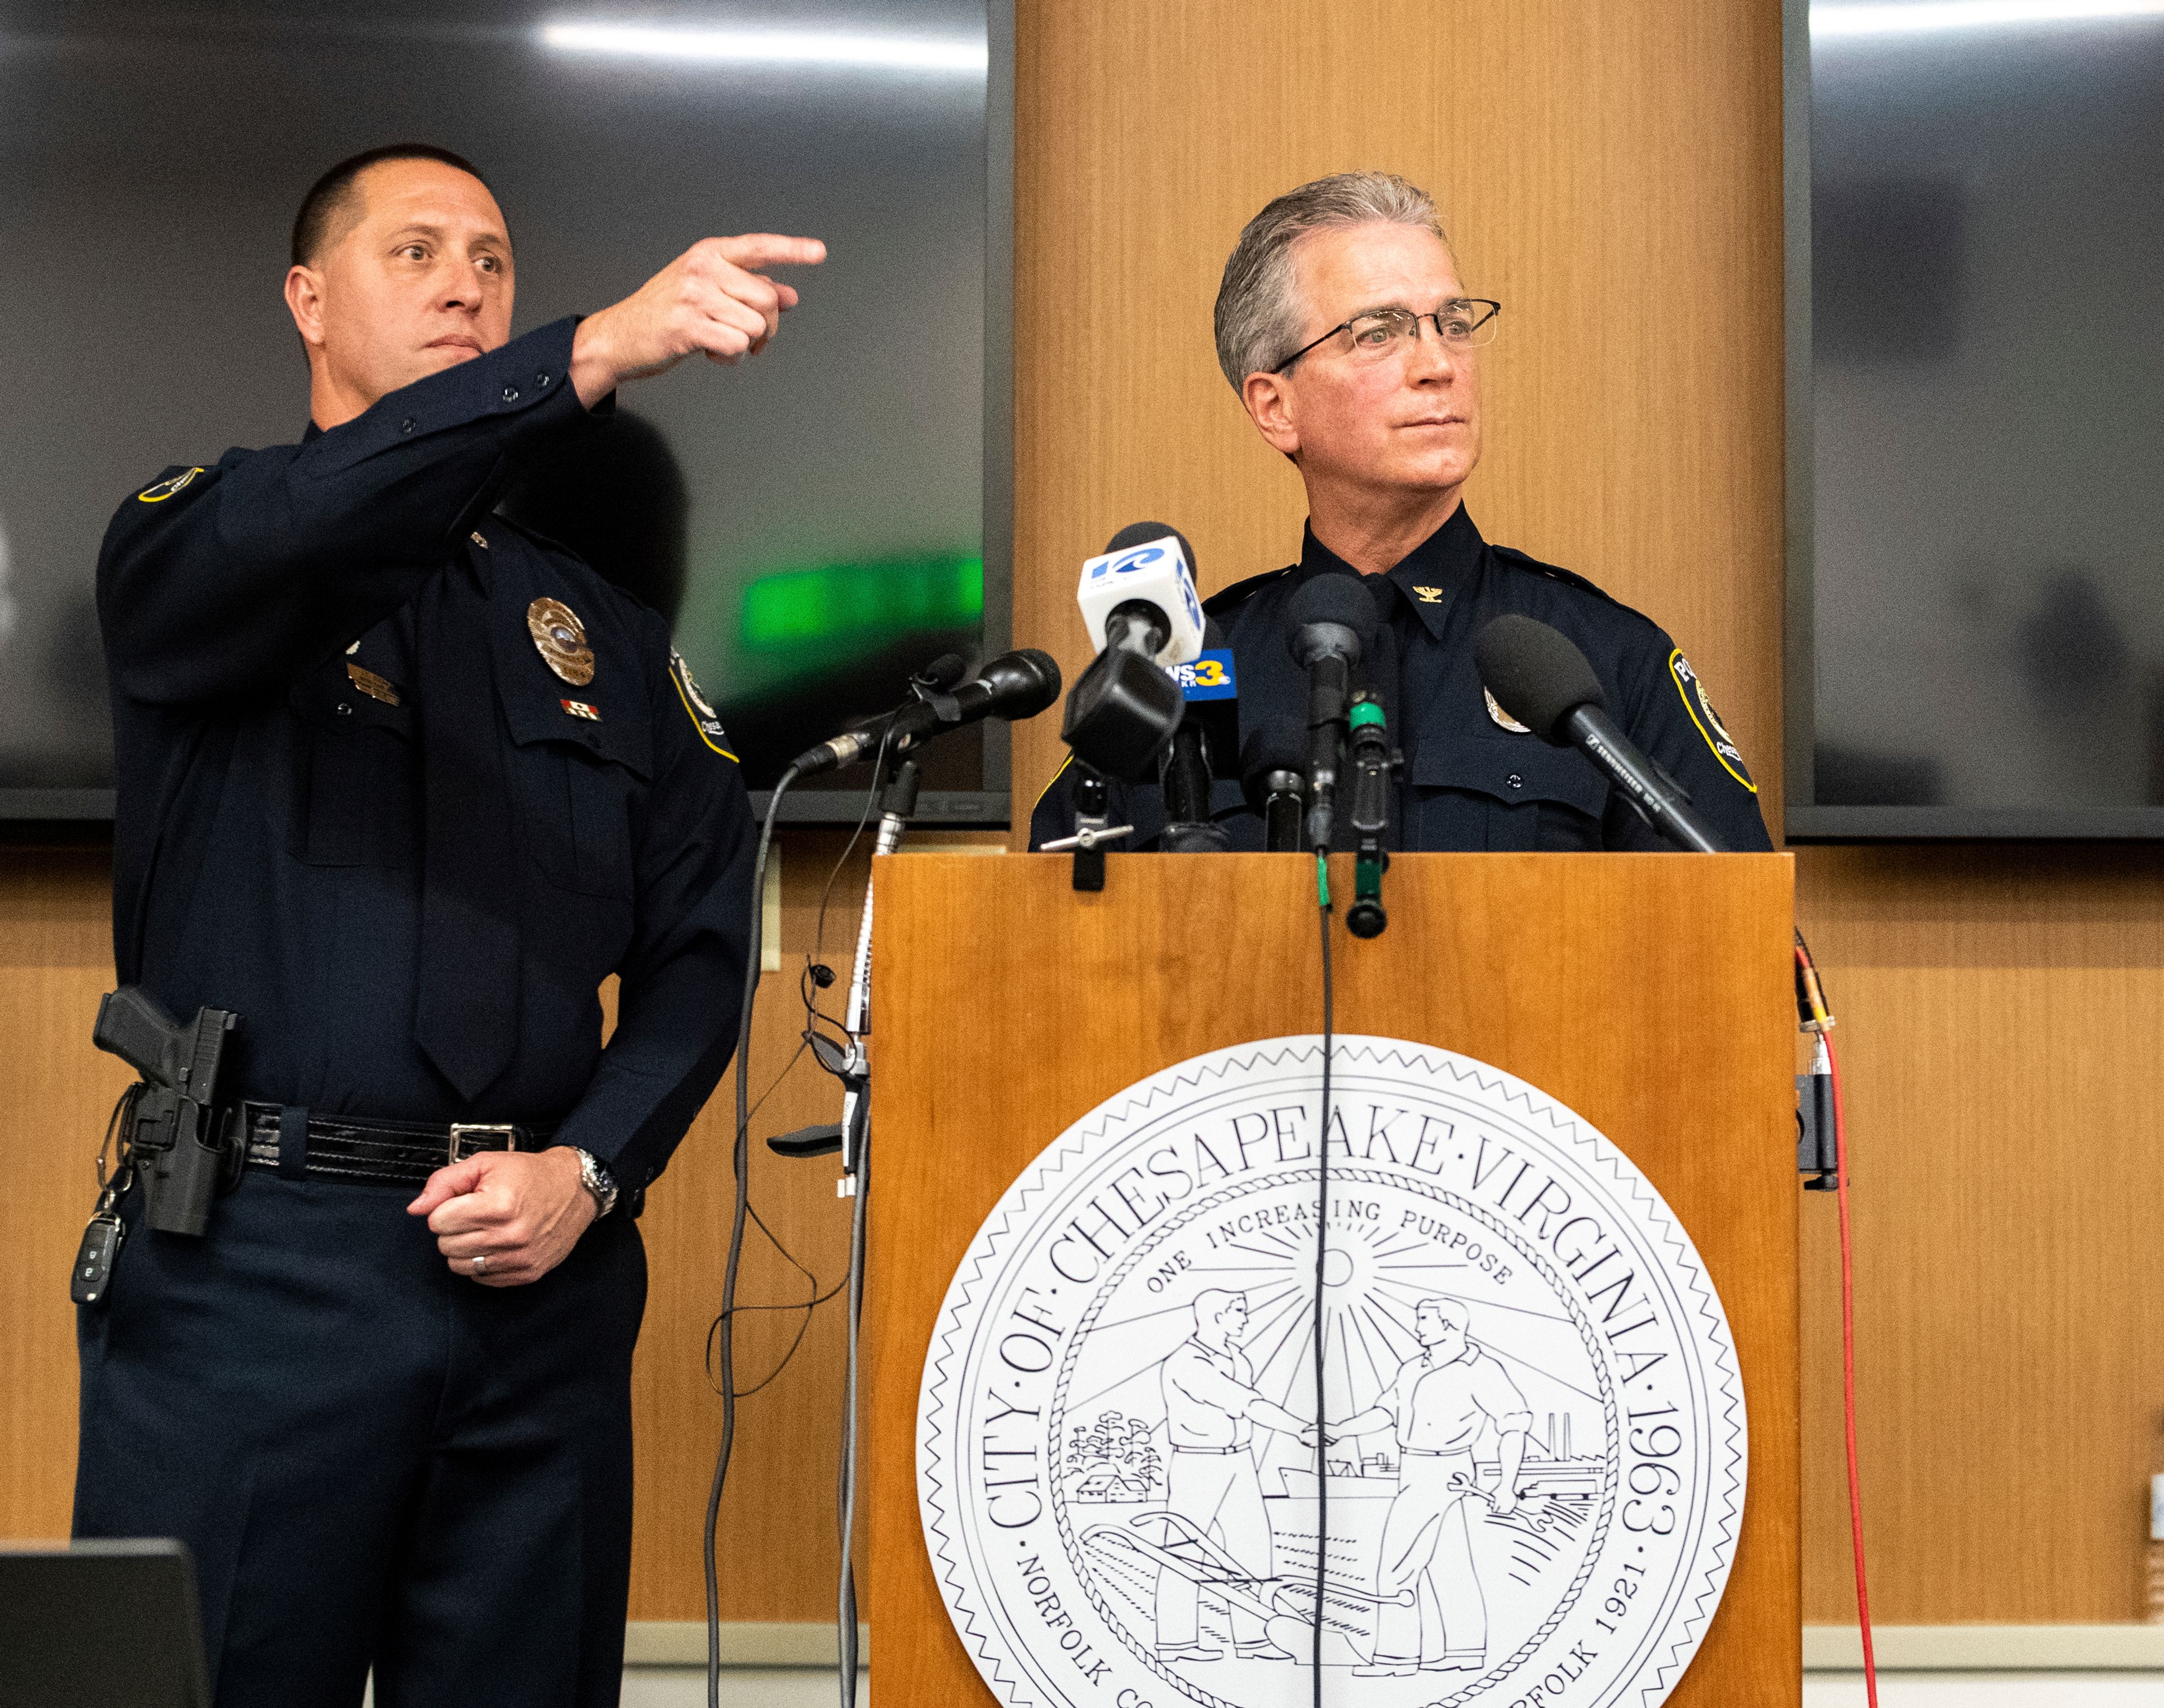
[(259, 623), (1471, 782)]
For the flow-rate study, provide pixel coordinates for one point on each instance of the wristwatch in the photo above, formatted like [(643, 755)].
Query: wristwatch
[(595, 1176)]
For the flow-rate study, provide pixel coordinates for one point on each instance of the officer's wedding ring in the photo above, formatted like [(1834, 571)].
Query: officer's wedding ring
[(481, 1263)]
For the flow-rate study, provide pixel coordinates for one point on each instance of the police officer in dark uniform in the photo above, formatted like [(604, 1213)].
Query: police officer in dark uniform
[(1342, 324), (401, 784)]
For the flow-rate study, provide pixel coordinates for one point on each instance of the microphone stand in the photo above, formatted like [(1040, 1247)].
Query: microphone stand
[(1093, 797), (897, 806)]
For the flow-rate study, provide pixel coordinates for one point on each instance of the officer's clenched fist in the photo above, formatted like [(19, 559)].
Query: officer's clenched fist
[(518, 1212), (711, 301)]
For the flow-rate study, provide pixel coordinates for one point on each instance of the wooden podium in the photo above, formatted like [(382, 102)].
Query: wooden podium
[(1651, 993)]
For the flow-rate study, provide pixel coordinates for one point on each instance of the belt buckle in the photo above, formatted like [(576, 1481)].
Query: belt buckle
[(461, 1130)]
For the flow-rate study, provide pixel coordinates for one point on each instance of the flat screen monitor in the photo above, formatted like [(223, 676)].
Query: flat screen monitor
[(102, 1624), (817, 523), (1976, 399)]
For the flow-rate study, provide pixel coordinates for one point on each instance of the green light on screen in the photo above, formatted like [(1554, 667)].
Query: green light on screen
[(851, 605)]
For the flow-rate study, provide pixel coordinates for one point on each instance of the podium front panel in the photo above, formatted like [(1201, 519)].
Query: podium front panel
[(1650, 993)]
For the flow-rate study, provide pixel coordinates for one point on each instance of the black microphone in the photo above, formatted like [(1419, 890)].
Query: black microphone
[(1124, 706), (1202, 747), (1330, 623), (1540, 677), (1015, 685), (1373, 769), (1270, 763)]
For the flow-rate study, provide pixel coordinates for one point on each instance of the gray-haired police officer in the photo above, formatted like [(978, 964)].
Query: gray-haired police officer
[(401, 786), (1343, 326)]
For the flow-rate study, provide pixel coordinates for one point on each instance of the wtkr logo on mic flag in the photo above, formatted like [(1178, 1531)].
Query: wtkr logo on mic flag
[(1534, 1428)]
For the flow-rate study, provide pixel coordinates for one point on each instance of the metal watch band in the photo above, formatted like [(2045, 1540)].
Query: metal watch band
[(595, 1177)]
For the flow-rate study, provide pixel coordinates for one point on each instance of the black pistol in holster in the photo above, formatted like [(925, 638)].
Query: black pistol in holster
[(172, 1137)]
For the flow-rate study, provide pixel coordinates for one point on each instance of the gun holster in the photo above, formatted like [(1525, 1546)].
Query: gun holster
[(184, 1155), (184, 1160)]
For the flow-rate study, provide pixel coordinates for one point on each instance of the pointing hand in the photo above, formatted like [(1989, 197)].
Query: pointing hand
[(713, 301)]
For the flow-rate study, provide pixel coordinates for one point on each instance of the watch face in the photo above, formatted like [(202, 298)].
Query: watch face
[(595, 1176)]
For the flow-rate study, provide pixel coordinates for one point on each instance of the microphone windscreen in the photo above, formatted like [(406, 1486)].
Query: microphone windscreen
[(943, 672), (1141, 533), (1278, 743), (1537, 674), (1343, 600), (1023, 682)]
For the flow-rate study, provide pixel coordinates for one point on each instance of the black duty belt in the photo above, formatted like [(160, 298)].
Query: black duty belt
[(297, 1141)]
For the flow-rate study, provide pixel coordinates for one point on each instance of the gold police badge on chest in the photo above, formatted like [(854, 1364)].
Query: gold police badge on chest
[(560, 638)]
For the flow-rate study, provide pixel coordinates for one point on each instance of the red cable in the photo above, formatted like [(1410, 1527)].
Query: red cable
[(1848, 1369)]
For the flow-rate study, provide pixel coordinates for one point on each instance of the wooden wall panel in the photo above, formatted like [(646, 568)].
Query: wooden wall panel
[(55, 961), (2001, 1012)]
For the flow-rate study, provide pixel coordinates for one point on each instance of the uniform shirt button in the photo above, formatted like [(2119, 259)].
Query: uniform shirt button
[(345, 708), (540, 379), (511, 394), (1514, 781), (407, 425)]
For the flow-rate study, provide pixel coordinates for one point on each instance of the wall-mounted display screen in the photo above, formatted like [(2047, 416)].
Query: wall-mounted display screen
[(816, 522), (1976, 223)]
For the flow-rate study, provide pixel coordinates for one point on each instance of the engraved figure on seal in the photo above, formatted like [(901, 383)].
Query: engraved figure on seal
[(1211, 1409), (1441, 1399)]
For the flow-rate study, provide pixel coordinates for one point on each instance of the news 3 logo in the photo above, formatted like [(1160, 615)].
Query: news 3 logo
[(1208, 677), (1141, 558)]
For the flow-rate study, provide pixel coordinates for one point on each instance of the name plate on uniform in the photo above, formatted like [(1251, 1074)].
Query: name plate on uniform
[(1535, 1442)]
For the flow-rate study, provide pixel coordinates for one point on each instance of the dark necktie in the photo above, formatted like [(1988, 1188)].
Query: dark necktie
[(466, 1017), (1381, 673)]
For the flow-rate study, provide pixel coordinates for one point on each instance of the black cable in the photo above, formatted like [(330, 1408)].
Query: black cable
[(740, 1162), (722, 1330), (1321, 1239)]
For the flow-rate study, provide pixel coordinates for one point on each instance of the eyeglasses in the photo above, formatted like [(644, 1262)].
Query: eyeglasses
[(1463, 323)]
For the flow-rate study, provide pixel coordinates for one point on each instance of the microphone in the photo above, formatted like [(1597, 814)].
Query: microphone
[(1015, 685), (1202, 745), (1139, 595), (1541, 678), (1330, 623), (1372, 765), (1270, 778), (1139, 604)]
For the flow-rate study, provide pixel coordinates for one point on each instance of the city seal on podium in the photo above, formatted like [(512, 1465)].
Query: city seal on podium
[(1531, 1442)]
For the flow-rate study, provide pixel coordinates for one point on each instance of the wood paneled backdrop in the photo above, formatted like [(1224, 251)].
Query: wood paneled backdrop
[(1612, 174)]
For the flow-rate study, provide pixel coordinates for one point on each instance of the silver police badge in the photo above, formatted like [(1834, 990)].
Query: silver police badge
[(1533, 1427), (1502, 719)]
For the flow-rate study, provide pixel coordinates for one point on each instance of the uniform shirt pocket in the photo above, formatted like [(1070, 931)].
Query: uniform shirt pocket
[(576, 781), (1513, 793), (358, 803), (574, 816)]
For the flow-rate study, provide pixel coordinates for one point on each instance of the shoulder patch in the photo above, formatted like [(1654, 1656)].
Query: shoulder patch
[(695, 706), (167, 487), (1696, 702)]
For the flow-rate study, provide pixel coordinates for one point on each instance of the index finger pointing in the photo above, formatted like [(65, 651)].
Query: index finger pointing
[(762, 249)]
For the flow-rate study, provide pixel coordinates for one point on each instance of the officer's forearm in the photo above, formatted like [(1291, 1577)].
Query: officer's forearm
[(262, 564), (676, 1031), (594, 373)]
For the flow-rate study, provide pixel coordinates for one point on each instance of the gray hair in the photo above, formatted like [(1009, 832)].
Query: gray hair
[(1259, 317)]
